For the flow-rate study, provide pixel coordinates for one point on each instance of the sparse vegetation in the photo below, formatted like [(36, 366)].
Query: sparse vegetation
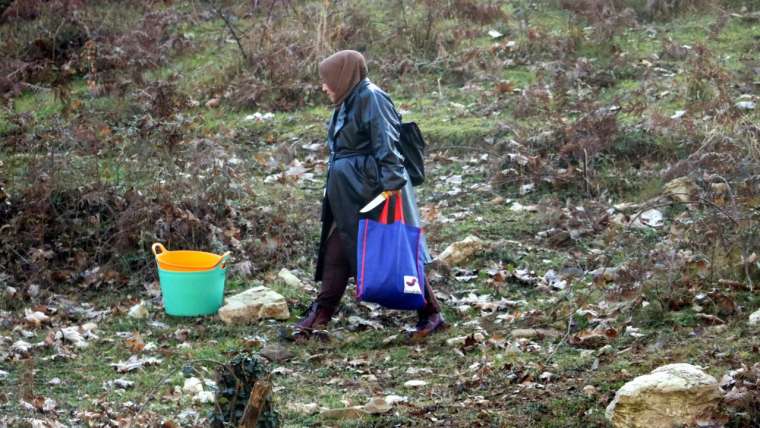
[(607, 150)]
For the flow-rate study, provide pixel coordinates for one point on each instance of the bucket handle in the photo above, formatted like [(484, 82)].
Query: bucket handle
[(157, 246), (222, 263)]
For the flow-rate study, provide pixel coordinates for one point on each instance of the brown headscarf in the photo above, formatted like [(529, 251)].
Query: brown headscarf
[(341, 71)]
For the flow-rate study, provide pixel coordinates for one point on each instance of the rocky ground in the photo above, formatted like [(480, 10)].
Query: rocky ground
[(592, 194)]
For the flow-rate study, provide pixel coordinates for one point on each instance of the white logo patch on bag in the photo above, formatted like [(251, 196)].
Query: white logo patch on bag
[(411, 285)]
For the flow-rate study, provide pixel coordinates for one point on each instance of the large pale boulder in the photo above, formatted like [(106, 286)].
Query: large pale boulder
[(670, 396), (252, 305)]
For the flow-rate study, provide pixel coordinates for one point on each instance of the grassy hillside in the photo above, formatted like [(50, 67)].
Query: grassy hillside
[(559, 133)]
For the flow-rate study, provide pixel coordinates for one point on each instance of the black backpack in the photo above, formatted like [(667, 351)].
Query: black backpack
[(412, 148)]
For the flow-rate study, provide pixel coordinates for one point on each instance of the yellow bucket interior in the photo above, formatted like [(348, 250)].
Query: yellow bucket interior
[(184, 260)]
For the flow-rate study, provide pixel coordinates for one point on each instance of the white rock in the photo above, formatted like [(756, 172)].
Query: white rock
[(461, 340), (54, 381), (754, 318), (378, 405), (518, 208), (254, 304), (35, 318), (33, 290), (49, 405), (494, 34), (589, 391), (123, 383), (3, 374), (21, 347), (204, 397), (678, 114), (649, 218), (305, 408), (192, 385), (88, 327), (72, 334), (745, 105), (671, 395), (546, 377), (134, 363), (290, 279), (259, 117), (527, 188), (138, 311), (414, 383), (461, 251)]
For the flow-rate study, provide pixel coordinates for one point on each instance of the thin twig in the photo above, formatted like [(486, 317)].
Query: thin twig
[(232, 31), (563, 340)]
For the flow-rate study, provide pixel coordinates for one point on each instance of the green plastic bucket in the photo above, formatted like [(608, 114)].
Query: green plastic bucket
[(192, 293)]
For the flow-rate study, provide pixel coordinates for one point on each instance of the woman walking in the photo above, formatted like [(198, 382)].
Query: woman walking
[(364, 161)]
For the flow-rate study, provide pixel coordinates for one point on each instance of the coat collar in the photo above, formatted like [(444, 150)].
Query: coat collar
[(346, 105)]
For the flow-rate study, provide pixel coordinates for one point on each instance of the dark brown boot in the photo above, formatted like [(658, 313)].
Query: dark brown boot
[(316, 319), (308, 320), (428, 324)]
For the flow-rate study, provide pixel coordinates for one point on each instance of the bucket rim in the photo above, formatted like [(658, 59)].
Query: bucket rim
[(221, 261)]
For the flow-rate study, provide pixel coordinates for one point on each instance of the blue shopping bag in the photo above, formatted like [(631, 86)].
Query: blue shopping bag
[(389, 262)]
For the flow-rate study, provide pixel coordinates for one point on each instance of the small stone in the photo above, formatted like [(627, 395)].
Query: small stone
[(589, 391), (414, 383), (54, 381), (254, 304), (355, 412), (304, 408), (754, 319), (289, 279), (204, 397), (49, 405), (534, 333), (33, 290), (546, 377), (276, 353), (462, 251), (35, 318), (138, 311), (213, 103), (123, 383), (192, 385), (378, 405), (745, 105), (20, 347)]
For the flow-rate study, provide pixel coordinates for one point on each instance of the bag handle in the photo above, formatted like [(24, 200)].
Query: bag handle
[(398, 214)]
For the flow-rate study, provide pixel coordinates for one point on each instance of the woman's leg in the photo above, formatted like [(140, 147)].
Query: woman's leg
[(336, 274), (431, 302), (334, 281)]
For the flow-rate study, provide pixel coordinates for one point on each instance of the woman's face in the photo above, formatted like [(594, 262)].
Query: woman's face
[(329, 92)]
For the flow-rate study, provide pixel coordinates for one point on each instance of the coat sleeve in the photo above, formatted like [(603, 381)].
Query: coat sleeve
[(379, 116)]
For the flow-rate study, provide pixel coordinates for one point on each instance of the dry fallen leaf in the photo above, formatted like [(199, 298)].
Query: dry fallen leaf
[(135, 343)]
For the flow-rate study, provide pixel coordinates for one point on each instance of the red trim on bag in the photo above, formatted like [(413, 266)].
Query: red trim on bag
[(417, 265), (399, 215), (360, 285)]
